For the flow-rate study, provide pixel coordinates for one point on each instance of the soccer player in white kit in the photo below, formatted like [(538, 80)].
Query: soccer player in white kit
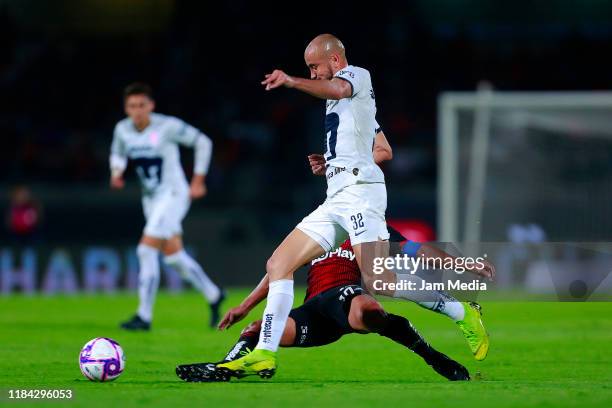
[(150, 140), (356, 194)]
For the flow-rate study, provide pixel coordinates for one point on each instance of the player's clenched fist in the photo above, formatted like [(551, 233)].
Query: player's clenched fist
[(197, 189), (117, 182), (277, 78), (317, 164)]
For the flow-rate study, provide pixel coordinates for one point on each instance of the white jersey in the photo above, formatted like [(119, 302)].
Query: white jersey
[(350, 128), (155, 152)]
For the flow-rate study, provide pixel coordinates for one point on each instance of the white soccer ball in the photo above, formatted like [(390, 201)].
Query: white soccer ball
[(101, 359)]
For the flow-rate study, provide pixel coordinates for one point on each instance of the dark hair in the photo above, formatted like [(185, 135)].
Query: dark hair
[(138, 88)]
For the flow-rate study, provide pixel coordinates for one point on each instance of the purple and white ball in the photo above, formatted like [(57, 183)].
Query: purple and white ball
[(102, 359)]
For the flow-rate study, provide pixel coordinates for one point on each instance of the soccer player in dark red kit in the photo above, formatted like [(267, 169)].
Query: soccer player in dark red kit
[(335, 305)]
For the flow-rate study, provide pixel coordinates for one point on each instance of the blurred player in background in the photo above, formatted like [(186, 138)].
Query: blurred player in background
[(150, 140), (24, 216)]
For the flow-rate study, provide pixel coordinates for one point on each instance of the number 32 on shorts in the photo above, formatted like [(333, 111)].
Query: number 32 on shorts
[(357, 220)]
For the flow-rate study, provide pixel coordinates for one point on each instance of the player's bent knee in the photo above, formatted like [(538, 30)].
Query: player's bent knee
[(174, 261), (374, 318), (146, 251), (173, 245), (277, 269), (367, 315), (156, 243)]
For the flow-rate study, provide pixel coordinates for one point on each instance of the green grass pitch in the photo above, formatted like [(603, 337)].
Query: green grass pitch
[(542, 354)]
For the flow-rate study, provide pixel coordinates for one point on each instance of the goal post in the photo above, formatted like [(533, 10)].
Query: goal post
[(508, 157)]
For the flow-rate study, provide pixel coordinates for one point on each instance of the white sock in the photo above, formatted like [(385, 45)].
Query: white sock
[(148, 280), (191, 270), (278, 306), (433, 300)]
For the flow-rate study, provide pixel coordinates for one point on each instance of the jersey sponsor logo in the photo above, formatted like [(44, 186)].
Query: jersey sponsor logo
[(334, 171), (359, 233), (349, 73), (136, 151), (267, 329), (339, 252)]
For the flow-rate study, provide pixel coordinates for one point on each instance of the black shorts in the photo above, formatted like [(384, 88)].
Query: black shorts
[(323, 319)]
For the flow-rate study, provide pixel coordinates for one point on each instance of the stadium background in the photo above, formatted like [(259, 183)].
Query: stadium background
[(63, 66)]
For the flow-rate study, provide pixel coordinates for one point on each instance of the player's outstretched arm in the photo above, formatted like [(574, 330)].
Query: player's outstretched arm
[(335, 88), (239, 312)]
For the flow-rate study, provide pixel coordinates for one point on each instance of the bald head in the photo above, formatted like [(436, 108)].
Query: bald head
[(326, 45), (325, 56)]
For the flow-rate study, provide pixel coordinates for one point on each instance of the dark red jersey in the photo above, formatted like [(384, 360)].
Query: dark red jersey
[(335, 268)]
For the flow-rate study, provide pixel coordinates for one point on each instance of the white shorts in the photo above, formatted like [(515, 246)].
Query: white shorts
[(164, 213), (357, 212)]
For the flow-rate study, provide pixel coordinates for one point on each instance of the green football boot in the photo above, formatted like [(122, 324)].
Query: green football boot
[(474, 331), (258, 362)]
